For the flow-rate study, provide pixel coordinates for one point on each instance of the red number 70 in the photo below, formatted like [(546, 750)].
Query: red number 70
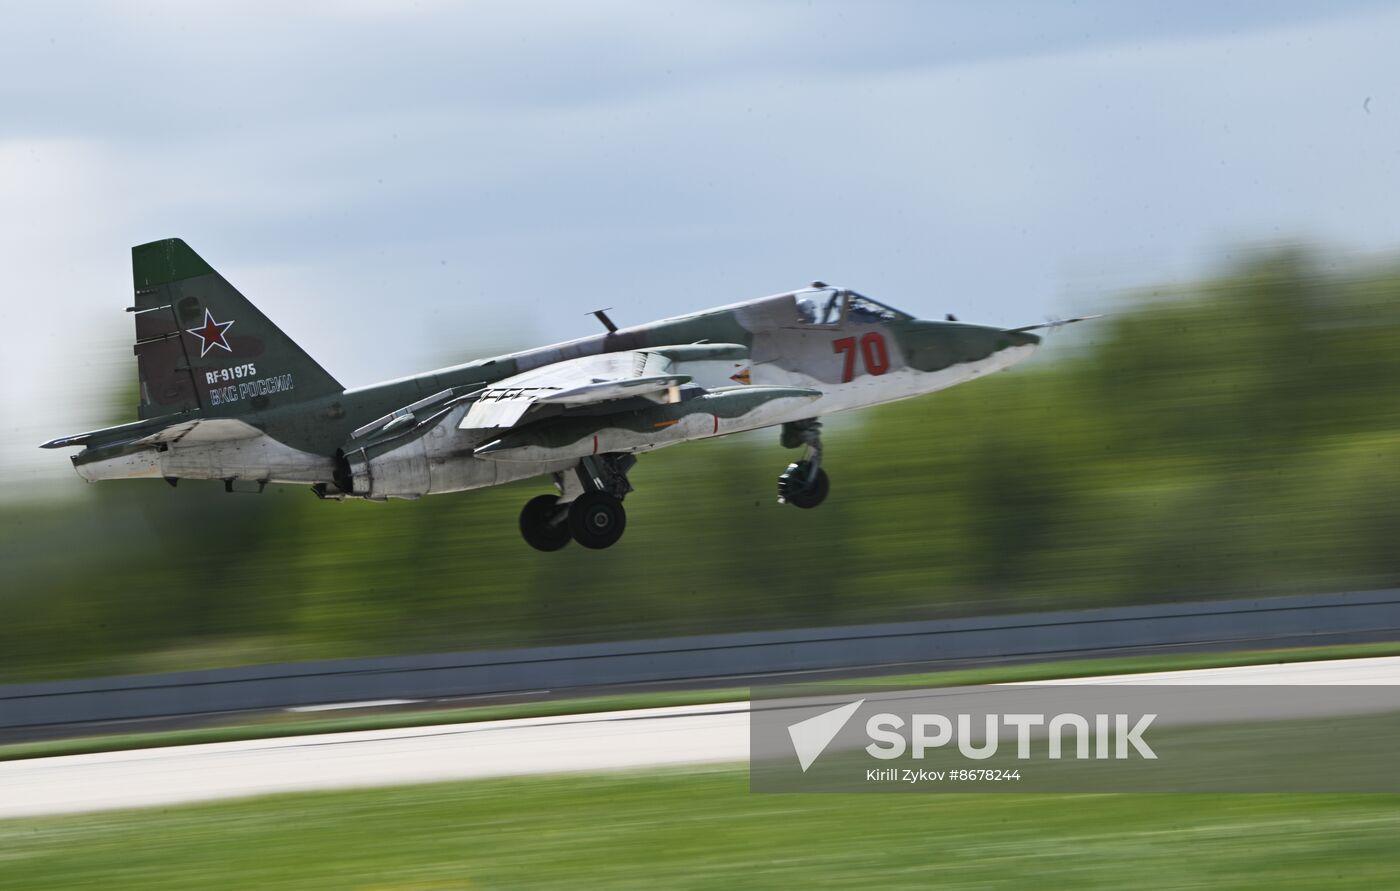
[(872, 350)]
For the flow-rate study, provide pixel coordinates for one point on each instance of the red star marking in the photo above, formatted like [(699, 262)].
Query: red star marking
[(211, 334)]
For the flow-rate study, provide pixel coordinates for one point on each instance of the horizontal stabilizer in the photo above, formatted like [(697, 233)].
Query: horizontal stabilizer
[(63, 442), (202, 431), (149, 433)]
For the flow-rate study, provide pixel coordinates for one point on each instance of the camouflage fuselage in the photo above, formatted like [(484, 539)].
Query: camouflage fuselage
[(851, 362)]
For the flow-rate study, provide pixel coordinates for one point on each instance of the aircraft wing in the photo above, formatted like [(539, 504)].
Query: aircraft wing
[(573, 382)]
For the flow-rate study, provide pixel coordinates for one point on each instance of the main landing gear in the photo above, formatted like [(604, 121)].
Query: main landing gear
[(588, 508), (544, 523), (804, 484)]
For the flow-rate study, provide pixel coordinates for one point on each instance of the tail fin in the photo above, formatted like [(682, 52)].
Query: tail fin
[(202, 347)]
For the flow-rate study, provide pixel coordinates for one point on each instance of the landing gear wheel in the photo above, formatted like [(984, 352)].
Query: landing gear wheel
[(597, 520), (541, 526), (800, 488)]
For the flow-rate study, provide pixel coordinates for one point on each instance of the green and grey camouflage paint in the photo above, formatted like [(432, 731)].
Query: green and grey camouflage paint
[(225, 394)]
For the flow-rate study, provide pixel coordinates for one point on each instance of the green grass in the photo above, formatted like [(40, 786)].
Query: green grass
[(703, 829), (296, 724)]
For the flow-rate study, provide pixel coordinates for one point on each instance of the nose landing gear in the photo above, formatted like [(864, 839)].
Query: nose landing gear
[(804, 484)]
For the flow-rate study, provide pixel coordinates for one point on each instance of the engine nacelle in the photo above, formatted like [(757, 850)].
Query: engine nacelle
[(400, 472), (428, 460)]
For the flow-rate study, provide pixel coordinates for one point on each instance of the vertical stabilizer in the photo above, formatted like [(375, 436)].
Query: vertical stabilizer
[(201, 346)]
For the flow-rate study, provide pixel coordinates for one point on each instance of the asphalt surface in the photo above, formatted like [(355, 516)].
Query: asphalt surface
[(604, 741)]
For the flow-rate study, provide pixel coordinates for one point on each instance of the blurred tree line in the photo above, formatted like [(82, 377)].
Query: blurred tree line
[(1240, 436)]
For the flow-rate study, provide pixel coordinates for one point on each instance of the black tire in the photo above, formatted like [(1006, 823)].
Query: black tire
[(794, 489), (536, 525), (597, 520)]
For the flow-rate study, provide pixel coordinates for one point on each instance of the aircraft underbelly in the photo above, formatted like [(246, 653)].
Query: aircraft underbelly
[(415, 470)]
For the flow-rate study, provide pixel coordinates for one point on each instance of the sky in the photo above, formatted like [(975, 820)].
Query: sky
[(405, 185)]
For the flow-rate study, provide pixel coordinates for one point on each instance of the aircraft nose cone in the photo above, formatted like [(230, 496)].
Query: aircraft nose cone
[(933, 346)]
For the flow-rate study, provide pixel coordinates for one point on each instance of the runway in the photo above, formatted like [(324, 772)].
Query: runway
[(603, 741)]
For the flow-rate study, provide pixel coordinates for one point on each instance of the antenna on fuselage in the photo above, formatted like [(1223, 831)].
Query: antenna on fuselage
[(602, 315)]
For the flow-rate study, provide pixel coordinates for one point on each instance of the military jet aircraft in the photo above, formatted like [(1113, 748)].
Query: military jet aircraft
[(226, 395)]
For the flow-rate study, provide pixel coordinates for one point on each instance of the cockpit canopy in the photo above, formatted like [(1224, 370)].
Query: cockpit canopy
[(829, 306)]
